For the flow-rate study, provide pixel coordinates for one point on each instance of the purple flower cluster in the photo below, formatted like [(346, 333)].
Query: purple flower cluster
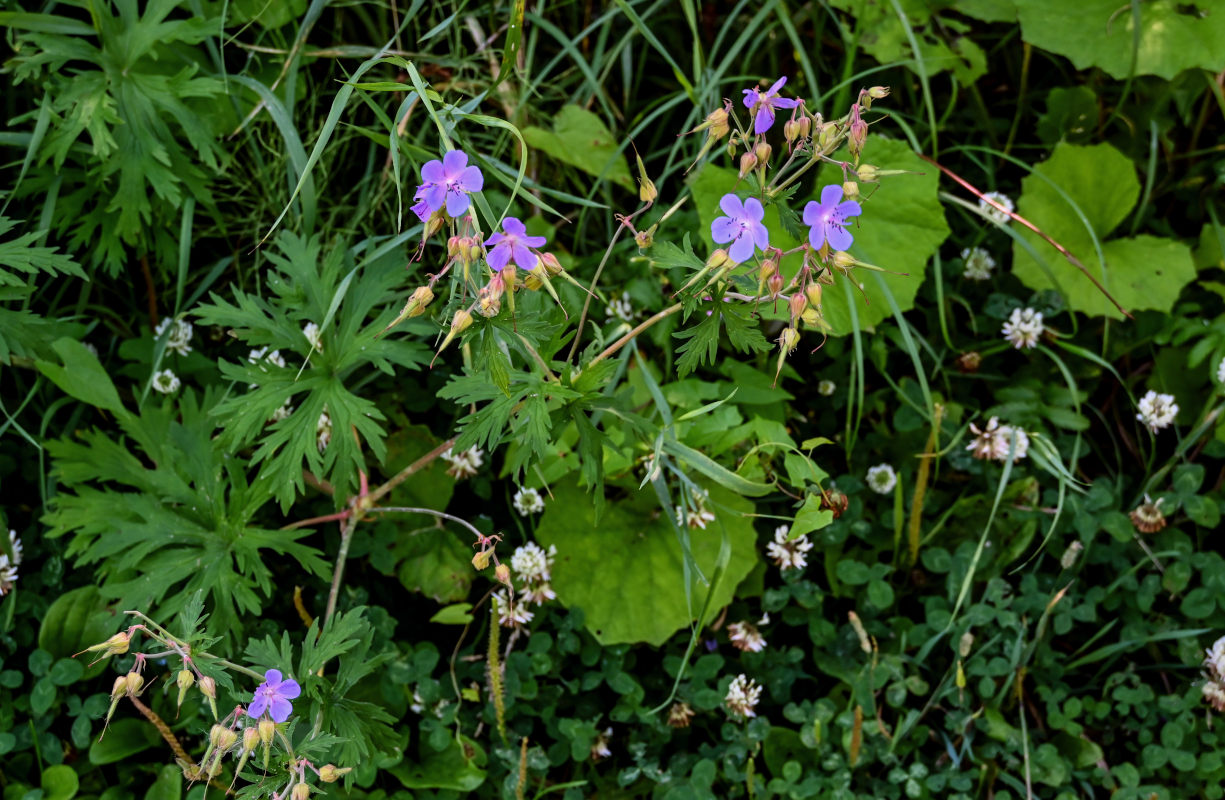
[(273, 696), (446, 184), (761, 104)]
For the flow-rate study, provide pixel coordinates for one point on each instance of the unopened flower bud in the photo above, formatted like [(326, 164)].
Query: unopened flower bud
[(717, 123), (812, 317), (250, 738), (775, 283), (510, 276), (763, 151), (791, 130), (267, 728), (644, 239), (301, 792), (718, 259), (453, 247), (120, 687), (214, 734), (965, 643), (330, 773), (731, 148), (813, 291), (551, 264), (135, 682), (857, 137), (117, 645), (502, 573), (850, 189), (747, 162), (843, 260), (788, 339), (867, 173), (803, 126), (797, 304), (878, 92), (768, 269), (208, 688), (481, 559)]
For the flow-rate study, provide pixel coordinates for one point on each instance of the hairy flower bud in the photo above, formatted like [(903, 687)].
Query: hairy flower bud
[(250, 738), (867, 173), (763, 151), (803, 126), (844, 260), (208, 688), (510, 276), (812, 317), (461, 322), (747, 162), (878, 92), (797, 304), (117, 645), (718, 259), (502, 573), (330, 773), (775, 284), (135, 682), (267, 728), (453, 247), (421, 297), (227, 739), (791, 130), (481, 559), (850, 189), (214, 734), (301, 792), (120, 687), (813, 291), (858, 136)]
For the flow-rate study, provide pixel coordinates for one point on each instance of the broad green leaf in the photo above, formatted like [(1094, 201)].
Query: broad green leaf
[(881, 33), (627, 573), (460, 767), (1174, 35), (124, 738), (168, 786), (580, 138), (435, 563), (988, 10), (430, 487), (456, 614), (76, 620), (811, 517), (60, 783), (1142, 273), (81, 376)]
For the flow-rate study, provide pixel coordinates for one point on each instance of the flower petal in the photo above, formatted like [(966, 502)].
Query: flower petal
[(812, 212), (816, 236), (534, 241), (783, 102), (753, 209), (453, 163), (280, 709), (849, 209), (273, 677), (831, 194), (432, 172), (471, 179), (499, 256), (723, 229), (761, 236), (741, 250), (513, 226), (731, 206), (422, 210), (764, 119), (289, 689), (523, 257), (436, 196), (494, 238), (457, 203), (750, 97), (778, 85), (258, 703), (839, 237)]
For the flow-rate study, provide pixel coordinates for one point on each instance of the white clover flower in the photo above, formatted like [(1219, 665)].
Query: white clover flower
[(528, 502), (1220, 371), (1023, 328), (261, 354), (311, 331), (539, 593), (180, 335), (882, 478), (8, 569), (1214, 693), (531, 563), (599, 748), (745, 636), (995, 440), (1157, 411), (993, 213), (698, 516), (742, 696), (620, 308), (166, 382), (323, 431), (282, 413), (1214, 660), (788, 554), (510, 615), (417, 706), (465, 464), (826, 388), (979, 263), (15, 546)]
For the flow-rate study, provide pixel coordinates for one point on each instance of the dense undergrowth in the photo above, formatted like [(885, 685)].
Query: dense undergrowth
[(651, 448)]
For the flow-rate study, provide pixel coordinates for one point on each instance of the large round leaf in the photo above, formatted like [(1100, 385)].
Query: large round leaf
[(1174, 35), (627, 572), (901, 227), (1100, 182)]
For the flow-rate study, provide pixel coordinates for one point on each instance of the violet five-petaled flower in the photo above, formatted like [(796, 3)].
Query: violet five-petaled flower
[(512, 245), (273, 696), (762, 104), (742, 227), (447, 183), (828, 219)]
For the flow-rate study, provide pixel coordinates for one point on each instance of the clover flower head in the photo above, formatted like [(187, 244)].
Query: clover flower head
[(282, 412), (511, 615), (1157, 411), (979, 263), (761, 105), (698, 516), (323, 431), (180, 335), (679, 715), (464, 464), (994, 441), (741, 226), (1148, 516), (742, 697), (531, 562), (166, 382), (826, 388), (261, 354), (528, 502), (745, 636), (1214, 693), (273, 696), (993, 213), (513, 245), (599, 748), (882, 478), (1214, 660), (446, 184), (827, 219), (620, 308), (1023, 328), (8, 569), (313, 335), (788, 553)]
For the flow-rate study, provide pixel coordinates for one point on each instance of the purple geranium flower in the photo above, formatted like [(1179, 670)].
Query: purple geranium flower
[(828, 219), (447, 183), (762, 104), (512, 245), (742, 227), (273, 696)]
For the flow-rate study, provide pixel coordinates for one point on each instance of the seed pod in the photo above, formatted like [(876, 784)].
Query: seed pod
[(267, 728), (844, 260), (850, 189), (762, 151), (867, 173), (803, 126), (878, 92), (135, 682), (791, 131), (813, 291), (330, 773), (120, 687), (481, 559)]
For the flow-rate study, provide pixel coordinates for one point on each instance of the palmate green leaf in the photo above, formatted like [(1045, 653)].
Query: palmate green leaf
[(581, 139), (172, 522), (703, 339), (22, 255), (1174, 35), (1100, 183)]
